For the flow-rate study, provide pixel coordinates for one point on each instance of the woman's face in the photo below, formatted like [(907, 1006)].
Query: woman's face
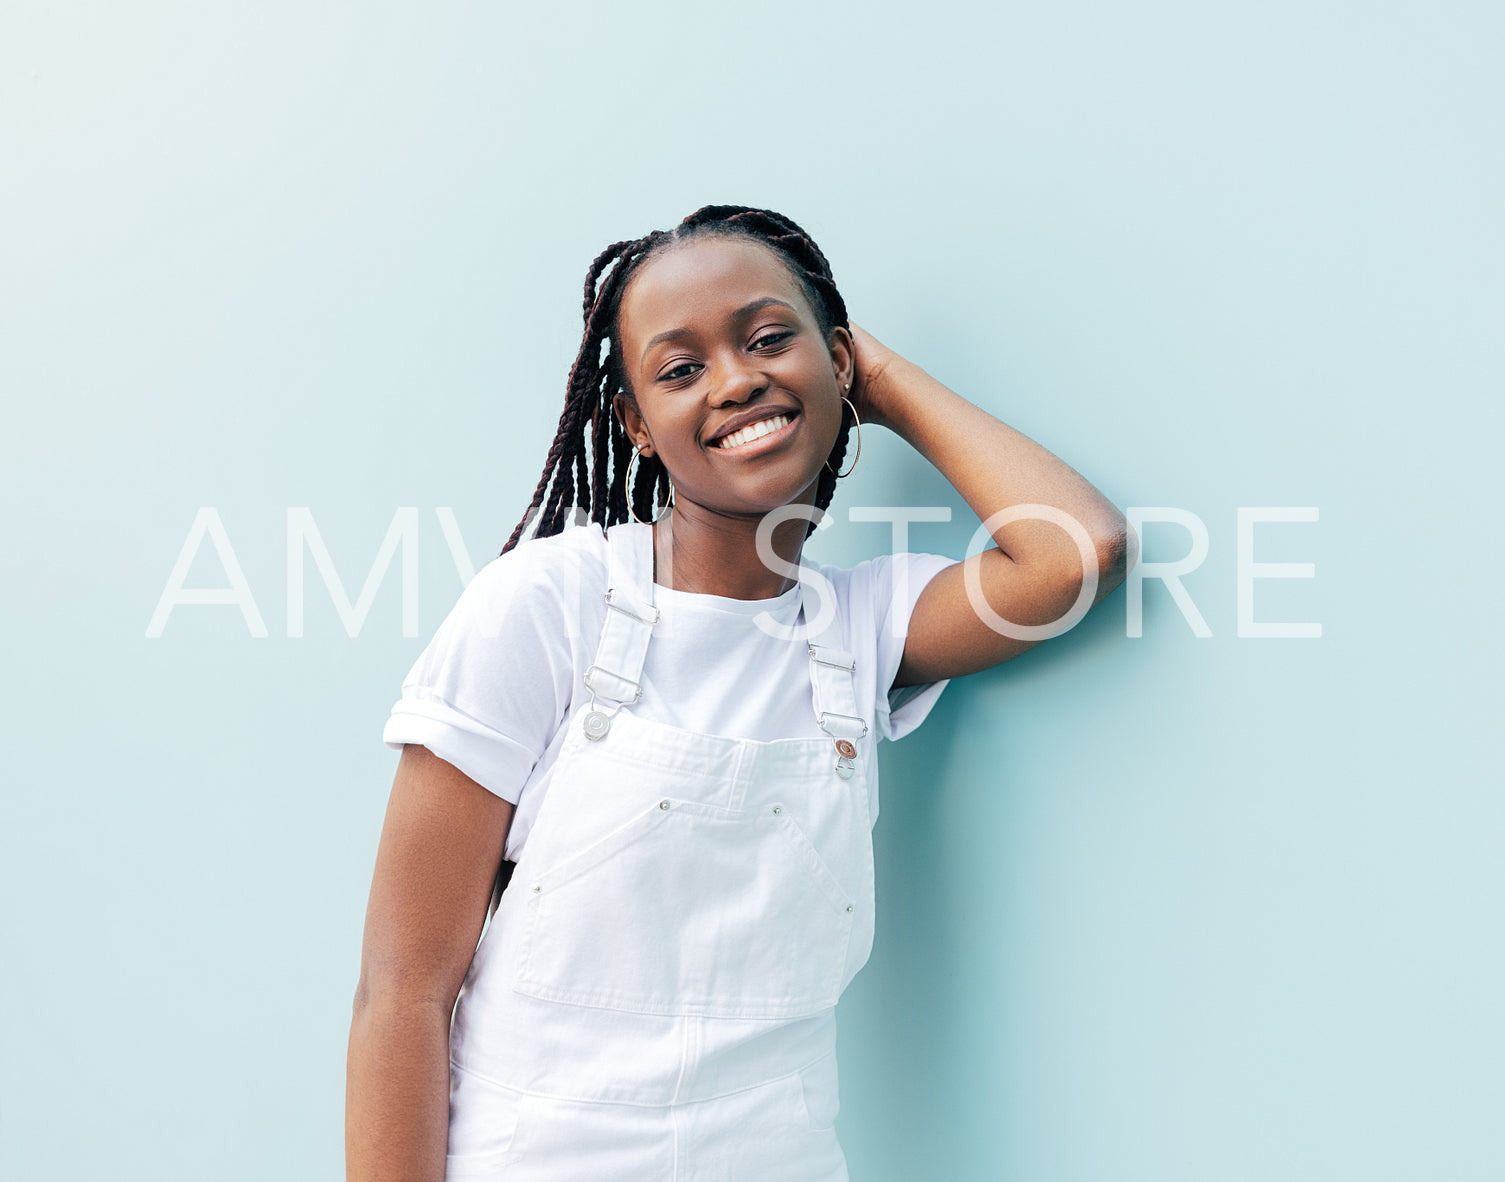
[(716, 335)]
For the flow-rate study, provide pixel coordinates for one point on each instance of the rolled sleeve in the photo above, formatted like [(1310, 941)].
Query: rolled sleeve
[(492, 686), (901, 579), (494, 761)]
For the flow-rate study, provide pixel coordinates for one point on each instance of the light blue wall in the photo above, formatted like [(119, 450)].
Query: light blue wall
[(1168, 908)]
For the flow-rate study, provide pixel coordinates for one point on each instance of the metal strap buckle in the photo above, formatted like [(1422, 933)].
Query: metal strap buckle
[(591, 685), (618, 607), (816, 650), (824, 714)]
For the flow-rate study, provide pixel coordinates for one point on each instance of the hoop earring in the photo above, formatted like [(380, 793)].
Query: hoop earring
[(637, 453), (856, 456)]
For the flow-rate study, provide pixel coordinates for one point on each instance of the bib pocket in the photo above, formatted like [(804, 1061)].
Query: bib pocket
[(689, 908)]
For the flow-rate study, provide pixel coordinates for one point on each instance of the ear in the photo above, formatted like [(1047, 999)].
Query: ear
[(632, 423), (843, 357)]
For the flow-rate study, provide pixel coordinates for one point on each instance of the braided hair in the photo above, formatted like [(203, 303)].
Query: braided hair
[(598, 482)]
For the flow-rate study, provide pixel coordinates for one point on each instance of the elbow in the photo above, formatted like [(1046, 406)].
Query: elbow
[(1111, 548), (1107, 563), (361, 1002), (1117, 552), (367, 1001), (1105, 550), (387, 990)]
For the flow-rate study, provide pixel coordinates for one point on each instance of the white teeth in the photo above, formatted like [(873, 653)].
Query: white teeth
[(753, 431)]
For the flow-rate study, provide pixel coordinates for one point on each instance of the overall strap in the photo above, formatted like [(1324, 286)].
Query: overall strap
[(832, 671), (613, 679)]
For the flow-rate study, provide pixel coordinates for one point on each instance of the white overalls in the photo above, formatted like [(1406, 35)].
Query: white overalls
[(655, 996)]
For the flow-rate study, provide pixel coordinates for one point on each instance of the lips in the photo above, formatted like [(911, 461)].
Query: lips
[(759, 430), (750, 426)]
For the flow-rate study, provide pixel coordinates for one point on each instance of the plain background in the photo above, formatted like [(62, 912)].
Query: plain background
[(1163, 908)]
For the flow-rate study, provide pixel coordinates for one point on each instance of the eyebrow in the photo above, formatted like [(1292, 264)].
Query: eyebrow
[(675, 334)]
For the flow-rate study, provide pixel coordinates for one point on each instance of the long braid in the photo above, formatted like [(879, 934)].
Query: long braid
[(601, 419), (570, 478), (621, 448), (583, 384)]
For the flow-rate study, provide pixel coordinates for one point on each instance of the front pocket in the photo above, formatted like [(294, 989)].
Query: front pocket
[(819, 1093), (688, 908), (483, 1124), (472, 1167)]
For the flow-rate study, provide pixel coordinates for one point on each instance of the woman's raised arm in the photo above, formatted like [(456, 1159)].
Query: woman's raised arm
[(1035, 571), (441, 845)]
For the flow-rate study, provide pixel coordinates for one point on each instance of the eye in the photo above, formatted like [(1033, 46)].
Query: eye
[(771, 339), (675, 374)]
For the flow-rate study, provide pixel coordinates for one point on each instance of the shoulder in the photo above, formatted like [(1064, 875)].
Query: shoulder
[(492, 686), (881, 580), (877, 595)]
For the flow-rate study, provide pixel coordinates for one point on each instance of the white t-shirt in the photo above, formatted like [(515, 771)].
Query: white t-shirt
[(492, 690)]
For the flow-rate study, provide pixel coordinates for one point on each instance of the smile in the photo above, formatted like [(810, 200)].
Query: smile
[(770, 430)]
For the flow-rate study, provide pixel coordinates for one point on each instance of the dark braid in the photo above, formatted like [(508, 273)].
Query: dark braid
[(598, 481)]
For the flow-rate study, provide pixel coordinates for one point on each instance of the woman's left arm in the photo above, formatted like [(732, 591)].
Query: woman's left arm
[(1036, 572)]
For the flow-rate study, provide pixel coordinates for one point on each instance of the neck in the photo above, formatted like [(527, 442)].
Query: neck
[(708, 553)]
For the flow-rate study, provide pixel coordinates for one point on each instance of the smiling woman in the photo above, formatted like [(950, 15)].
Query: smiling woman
[(658, 737), (739, 326)]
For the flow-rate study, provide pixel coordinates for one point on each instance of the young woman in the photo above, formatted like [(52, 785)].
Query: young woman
[(667, 724)]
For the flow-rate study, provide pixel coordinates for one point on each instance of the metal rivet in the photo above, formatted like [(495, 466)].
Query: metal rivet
[(777, 809), (849, 906), (663, 804), (537, 886)]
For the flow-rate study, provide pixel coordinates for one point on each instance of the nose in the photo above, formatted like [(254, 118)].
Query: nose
[(735, 381)]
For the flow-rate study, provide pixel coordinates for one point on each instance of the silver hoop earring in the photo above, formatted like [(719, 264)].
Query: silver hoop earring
[(637, 453), (857, 455)]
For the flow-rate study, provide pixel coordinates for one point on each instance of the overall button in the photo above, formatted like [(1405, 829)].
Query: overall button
[(846, 749)]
